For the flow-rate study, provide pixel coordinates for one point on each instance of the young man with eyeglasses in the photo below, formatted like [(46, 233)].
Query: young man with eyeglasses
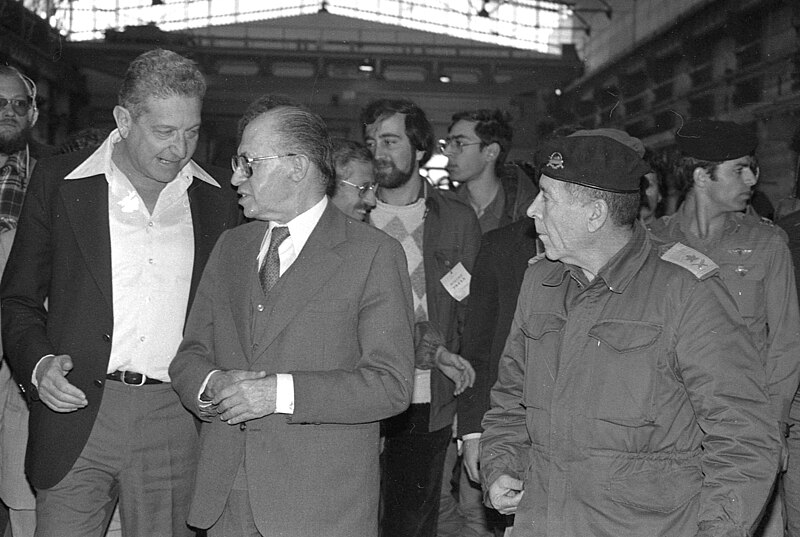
[(109, 251), (440, 236), (476, 148), (353, 192), (18, 155)]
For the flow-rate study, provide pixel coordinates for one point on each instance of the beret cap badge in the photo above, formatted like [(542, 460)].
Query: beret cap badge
[(556, 161)]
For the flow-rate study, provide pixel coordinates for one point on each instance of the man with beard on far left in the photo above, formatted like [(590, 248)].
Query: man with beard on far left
[(18, 154)]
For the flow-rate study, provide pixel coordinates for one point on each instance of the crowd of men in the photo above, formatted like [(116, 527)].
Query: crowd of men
[(332, 345)]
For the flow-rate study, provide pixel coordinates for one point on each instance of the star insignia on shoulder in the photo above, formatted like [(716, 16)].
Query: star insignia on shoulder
[(695, 262)]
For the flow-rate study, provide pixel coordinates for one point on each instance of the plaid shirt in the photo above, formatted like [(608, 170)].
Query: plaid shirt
[(13, 182)]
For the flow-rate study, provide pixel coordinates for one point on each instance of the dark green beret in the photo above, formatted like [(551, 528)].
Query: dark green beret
[(594, 161), (718, 141)]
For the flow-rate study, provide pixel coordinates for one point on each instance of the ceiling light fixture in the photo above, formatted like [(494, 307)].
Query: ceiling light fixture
[(367, 66), (444, 79)]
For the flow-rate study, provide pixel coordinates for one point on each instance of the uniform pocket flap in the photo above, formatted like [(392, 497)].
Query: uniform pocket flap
[(626, 336), (539, 324)]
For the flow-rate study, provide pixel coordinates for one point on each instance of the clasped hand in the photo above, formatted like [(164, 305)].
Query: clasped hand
[(238, 396)]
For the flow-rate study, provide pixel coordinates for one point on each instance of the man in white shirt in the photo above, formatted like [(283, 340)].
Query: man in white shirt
[(299, 343), (114, 243)]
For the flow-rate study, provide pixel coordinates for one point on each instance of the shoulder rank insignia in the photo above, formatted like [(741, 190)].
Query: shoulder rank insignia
[(766, 221), (698, 264)]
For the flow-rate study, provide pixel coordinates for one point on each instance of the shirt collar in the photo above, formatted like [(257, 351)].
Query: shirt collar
[(686, 212), (100, 163), (301, 226), (494, 208)]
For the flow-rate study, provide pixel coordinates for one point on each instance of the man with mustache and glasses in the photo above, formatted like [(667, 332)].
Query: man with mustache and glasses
[(110, 247), (353, 192), (440, 236), (718, 169), (18, 155)]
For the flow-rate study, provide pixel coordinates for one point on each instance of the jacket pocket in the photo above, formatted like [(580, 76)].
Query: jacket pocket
[(746, 284), (543, 332), (623, 372), (655, 490)]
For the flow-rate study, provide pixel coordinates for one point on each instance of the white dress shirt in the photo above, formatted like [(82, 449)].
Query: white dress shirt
[(152, 256)]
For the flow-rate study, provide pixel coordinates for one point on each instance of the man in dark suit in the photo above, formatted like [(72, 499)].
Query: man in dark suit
[(299, 342), (109, 250), (504, 256)]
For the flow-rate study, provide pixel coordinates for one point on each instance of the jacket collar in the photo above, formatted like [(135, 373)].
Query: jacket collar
[(620, 269)]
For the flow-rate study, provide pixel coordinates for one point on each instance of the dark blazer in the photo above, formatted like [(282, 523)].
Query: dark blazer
[(340, 321), (451, 235), (494, 288), (62, 254)]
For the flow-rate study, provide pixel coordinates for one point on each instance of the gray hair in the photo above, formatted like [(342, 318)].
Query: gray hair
[(159, 73), (299, 130), (623, 207), (344, 152)]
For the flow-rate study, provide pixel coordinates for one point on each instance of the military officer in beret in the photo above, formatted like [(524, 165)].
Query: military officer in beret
[(630, 399), (754, 261)]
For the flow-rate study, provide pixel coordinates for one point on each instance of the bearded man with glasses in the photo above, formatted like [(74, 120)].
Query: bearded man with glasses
[(18, 155)]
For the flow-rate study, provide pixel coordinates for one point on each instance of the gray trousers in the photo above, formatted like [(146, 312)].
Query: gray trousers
[(142, 451)]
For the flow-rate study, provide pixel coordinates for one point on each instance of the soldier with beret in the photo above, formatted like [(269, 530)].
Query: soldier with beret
[(630, 398), (752, 254)]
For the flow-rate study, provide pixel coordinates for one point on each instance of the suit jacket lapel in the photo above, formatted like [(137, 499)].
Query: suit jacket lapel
[(312, 269), (86, 205)]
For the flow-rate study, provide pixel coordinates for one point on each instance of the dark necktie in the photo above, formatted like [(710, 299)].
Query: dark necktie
[(271, 267)]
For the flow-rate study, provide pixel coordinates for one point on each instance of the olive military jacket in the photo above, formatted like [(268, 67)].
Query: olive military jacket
[(631, 405)]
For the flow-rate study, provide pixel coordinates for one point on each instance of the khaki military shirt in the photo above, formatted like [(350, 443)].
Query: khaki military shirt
[(756, 266)]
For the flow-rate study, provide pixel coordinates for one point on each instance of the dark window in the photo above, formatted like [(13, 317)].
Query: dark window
[(702, 106), (747, 92)]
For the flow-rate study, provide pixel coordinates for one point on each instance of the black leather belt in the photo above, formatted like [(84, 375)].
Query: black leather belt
[(132, 379)]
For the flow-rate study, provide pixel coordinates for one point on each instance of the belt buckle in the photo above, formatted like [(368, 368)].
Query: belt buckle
[(125, 381)]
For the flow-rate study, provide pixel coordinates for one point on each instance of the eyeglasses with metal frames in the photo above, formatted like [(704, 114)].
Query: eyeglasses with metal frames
[(19, 106), (457, 144), (244, 164), (362, 189)]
